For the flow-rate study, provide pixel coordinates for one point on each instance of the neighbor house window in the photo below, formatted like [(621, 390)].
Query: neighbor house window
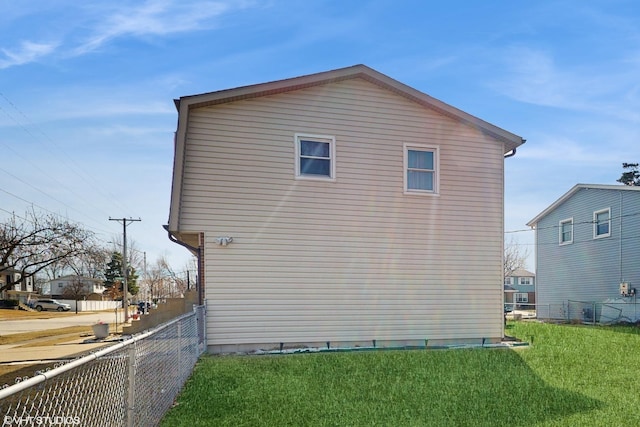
[(525, 280), (566, 231), (507, 280), (522, 297), (315, 156), (602, 223), (421, 169)]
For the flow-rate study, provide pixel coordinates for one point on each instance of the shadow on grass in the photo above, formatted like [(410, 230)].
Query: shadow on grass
[(477, 387)]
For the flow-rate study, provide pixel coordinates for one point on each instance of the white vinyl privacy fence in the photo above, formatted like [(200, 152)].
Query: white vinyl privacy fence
[(132, 383)]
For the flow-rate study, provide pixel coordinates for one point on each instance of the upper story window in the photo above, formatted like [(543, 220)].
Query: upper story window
[(507, 280), (421, 169), (602, 223), (525, 280), (315, 157), (566, 231)]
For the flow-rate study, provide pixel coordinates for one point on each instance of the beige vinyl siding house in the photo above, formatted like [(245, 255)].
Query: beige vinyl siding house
[(341, 209)]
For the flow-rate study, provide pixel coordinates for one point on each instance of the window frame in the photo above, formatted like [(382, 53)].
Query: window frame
[(519, 299), (527, 279), (435, 149), (560, 233), (331, 140), (596, 223)]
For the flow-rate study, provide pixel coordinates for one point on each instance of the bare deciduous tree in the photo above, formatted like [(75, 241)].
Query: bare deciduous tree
[(135, 256), (31, 244), (515, 257), (162, 281), (76, 291), (91, 263)]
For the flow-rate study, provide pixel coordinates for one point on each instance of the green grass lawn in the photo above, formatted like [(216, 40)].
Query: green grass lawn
[(571, 376)]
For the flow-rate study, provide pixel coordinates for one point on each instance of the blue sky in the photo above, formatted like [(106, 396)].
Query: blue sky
[(87, 88)]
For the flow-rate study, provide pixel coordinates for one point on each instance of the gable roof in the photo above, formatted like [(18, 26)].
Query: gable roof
[(574, 190), (72, 277), (521, 272), (187, 103)]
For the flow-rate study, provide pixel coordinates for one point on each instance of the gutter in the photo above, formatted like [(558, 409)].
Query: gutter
[(198, 253)]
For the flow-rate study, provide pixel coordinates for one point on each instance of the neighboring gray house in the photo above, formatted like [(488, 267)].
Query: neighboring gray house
[(341, 209), (520, 289), (587, 245)]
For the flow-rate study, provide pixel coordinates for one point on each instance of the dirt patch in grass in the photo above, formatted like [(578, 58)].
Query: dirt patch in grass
[(58, 339), (9, 373), (51, 337), (11, 314), (48, 333)]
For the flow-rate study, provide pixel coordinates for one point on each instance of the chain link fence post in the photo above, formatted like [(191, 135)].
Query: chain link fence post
[(131, 391)]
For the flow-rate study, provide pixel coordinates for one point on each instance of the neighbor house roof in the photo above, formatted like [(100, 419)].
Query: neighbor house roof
[(574, 190), (186, 103), (521, 272), (74, 277)]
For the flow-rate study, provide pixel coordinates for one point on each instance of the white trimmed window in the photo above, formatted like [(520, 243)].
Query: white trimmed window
[(525, 280), (521, 297), (602, 223), (507, 280), (421, 169), (566, 231), (315, 157)]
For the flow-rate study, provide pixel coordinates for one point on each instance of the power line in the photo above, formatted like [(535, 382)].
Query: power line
[(65, 158), (575, 223)]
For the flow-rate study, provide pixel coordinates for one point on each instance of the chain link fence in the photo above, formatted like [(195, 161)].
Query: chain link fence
[(552, 312), (132, 383), (604, 313), (586, 312)]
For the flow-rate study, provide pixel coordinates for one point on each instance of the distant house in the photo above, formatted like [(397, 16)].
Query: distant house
[(11, 275), (587, 245), (341, 209), (84, 285), (520, 289)]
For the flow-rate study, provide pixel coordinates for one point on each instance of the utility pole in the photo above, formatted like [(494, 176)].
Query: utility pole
[(125, 269)]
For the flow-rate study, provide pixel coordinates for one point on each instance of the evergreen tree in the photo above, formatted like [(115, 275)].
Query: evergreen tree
[(632, 176), (132, 281), (113, 275)]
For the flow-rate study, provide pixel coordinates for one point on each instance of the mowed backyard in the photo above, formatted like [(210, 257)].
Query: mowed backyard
[(572, 375)]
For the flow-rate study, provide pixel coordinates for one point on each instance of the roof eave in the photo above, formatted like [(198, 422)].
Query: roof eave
[(510, 140), (532, 223)]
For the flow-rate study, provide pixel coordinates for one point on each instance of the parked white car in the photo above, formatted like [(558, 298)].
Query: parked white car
[(51, 304)]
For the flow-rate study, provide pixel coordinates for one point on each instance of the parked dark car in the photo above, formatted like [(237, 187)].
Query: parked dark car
[(51, 304)]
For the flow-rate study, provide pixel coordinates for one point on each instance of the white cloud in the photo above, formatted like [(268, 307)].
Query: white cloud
[(534, 77), (27, 52), (154, 17), (97, 24)]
